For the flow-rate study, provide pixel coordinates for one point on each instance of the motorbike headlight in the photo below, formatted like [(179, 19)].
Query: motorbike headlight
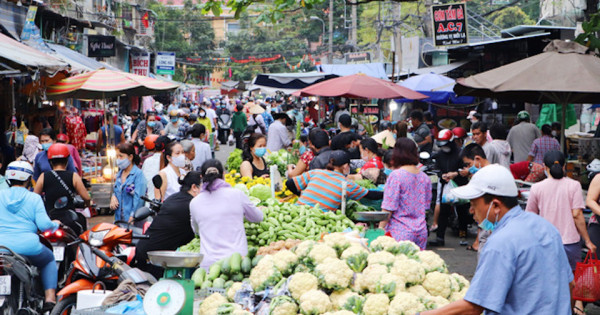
[(97, 238)]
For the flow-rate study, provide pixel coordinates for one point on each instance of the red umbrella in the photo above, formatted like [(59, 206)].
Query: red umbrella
[(359, 86)]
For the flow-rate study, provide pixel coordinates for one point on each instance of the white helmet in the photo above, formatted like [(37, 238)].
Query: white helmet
[(19, 170)]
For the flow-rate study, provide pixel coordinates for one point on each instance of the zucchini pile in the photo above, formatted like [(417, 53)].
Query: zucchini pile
[(223, 273)]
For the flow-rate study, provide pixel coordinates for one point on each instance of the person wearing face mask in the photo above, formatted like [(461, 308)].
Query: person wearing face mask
[(324, 187), (172, 127), (254, 164), (203, 119), (306, 156), (171, 227), (371, 155), (130, 184), (522, 260), (41, 163), (474, 158), (559, 200), (341, 110), (151, 125), (407, 196), (278, 136), (172, 166), (217, 216), (448, 162), (239, 122)]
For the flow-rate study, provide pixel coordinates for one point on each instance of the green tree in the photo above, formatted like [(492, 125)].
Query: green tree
[(184, 32), (509, 17)]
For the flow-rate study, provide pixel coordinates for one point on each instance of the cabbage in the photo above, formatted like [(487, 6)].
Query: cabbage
[(242, 187), (255, 200), (260, 191)]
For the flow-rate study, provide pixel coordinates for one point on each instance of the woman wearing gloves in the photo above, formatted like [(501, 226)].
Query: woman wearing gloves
[(217, 215), (130, 184), (172, 169), (254, 164), (23, 214)]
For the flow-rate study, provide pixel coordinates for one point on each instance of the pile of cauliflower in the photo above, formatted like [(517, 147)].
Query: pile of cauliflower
[(339, 276)]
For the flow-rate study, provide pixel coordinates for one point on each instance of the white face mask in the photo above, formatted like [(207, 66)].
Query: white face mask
[(554, 133), (179, 160)]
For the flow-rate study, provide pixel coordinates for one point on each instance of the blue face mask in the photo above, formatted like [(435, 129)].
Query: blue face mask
[(260, 152), (473, 169), (46, 146), (173, 120), (302, 150), (122, 164), (151, 124), (353, 130), (387, 171), (486, 224)]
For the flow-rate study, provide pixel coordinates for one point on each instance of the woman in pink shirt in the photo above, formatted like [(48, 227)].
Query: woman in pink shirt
[(559, 200)]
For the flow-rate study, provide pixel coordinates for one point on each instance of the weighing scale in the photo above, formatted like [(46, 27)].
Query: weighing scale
[(173, 294), (372, 218)]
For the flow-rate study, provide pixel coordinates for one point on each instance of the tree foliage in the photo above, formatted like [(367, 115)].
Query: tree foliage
[(184, 32), (589, 37), (509, 17)]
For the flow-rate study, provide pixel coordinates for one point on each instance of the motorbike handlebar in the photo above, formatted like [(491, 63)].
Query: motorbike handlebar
[(140, 237)]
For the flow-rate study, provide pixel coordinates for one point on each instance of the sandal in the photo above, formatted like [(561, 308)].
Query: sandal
[(578, 311), (471, 248)]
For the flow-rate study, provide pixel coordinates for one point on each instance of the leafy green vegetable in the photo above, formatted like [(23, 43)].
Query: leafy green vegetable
[(234, 161), (192, 247), (282, 159), (365, 183), (260, 191), (243, 188)]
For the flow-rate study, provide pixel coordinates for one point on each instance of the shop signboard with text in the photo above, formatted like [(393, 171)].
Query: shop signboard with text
[(450, 24), (140, 63), (101, 46)]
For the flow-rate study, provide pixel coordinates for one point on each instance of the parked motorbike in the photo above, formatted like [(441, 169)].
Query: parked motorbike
[(96, 261)]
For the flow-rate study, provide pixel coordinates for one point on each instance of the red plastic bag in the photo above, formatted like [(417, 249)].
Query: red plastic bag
[(587, 279)]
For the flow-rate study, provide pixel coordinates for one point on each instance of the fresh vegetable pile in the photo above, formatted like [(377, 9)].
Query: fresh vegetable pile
[(223, 273), (365, 183), (282, 159), (341, 276), (283, 221), (277, 246), (234, 161), (192, 247)]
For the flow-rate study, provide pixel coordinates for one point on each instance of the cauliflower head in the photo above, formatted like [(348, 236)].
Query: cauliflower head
[(334, 274), (265, 274), (283, 305), (437, 283), (315, 302), (342, 312), (456, 296), (236, 286), (382, 243), (340, 297), (353, 250), (405, 303), (408, 269), (337, 241), (210, 305), (419, 291), (356, 257), (407, 248), (434, 302), (431, 261), (370, 277), (320, 252), (463, 283), (301, 283), (376, 304), (304, 248), (285, 261), (381, 257), (390, 284)]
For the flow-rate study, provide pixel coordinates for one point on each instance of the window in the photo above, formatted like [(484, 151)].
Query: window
[(233, 27)]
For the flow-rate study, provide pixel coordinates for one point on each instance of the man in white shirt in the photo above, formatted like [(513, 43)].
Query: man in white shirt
[(202, 148), (151, 165), (278, 137), (212, 115)]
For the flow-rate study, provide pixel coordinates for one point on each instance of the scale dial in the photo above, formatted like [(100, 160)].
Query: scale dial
[(166, 297)]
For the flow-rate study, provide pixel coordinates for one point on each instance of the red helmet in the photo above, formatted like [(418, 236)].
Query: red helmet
[(459, 132), (58, 151), (444, 136), (61, 137), (149, 142)]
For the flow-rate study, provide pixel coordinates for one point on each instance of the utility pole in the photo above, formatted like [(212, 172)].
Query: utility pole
[(353, 31), (396, 37), (330, 51)]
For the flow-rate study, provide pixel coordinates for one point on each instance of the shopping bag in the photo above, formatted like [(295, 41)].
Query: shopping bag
[(587, 279), (448, 197)]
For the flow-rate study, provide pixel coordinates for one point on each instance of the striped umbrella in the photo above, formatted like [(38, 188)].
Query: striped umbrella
[(105, 83)]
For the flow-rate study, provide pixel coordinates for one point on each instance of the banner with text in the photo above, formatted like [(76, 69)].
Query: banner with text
[(101, 46), (165, 62), (140, 63), (450, 24)]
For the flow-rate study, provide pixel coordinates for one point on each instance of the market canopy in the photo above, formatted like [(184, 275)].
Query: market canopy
[(104, 83), (563, 74), (26, 56), (359, 86), (288, 83), (438, 88)]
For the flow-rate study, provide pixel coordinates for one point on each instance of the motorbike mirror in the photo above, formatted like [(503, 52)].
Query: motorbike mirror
[(157, 181), (78, 202), (424, 155), (61, 202), (142, 213)]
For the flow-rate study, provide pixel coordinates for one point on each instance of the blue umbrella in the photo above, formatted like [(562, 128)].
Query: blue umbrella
[(439, 88)]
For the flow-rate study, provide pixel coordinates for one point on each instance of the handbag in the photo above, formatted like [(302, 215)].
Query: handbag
[(587, 279)]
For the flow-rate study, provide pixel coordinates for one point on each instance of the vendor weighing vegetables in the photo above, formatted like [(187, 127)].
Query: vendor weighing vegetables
[(217, 215), (324, 187)]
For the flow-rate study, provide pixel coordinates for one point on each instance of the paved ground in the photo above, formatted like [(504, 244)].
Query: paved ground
[(459, 260)]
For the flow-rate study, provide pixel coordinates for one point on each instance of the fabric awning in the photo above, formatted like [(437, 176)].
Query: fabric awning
[(77, 61), (24, 55), (375, 69), (288, 83)]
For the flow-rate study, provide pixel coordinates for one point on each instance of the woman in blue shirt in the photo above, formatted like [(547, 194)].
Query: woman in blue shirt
[(130, 184)]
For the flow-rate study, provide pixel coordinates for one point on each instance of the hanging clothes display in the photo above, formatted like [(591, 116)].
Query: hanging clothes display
[(75, 129)]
